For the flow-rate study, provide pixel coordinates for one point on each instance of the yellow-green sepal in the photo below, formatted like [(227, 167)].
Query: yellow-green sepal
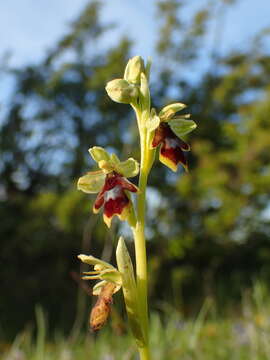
[(128, 168), (92, 182), (97, 263), (115, 159), (168, 111), (129, 287), (182, 127), (99, 154)]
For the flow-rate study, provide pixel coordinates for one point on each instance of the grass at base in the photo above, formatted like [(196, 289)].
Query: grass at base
[(240, 337)]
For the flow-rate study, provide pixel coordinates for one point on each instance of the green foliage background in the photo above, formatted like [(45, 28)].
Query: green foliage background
[(208, 229)]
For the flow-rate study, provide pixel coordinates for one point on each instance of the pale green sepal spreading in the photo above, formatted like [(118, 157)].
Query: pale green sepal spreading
[(92, 182), (97, 263), (182, 127), (168, 111), (99, 154), (125, 268), (121, 91), (128, 168), (133, 70)]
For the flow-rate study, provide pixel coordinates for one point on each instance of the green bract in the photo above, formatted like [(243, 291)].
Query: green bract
[(129, 288)]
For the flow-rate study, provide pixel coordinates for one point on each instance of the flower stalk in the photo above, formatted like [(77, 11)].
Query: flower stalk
[(164, 130)]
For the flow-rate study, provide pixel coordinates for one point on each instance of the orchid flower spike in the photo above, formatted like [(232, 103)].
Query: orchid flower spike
[(167, 130), (111, 184)]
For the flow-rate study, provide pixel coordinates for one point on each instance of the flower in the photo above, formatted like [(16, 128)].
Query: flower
[(167, 130), (111, 282), (102, 271), (111, 185)]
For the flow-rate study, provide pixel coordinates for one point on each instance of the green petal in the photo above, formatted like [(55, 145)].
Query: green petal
[(98, 154), (168, 111), (128, 168), (92, 182), (181, 126)]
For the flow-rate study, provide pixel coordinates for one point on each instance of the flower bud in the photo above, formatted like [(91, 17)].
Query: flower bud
[(133, 70), (121, 91)]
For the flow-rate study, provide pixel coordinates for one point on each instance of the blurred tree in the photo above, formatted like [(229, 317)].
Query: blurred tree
[(57, 110), (215, 234)]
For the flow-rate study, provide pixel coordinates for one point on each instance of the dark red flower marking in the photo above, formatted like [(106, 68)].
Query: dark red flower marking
[(172, 148), (113, 197)]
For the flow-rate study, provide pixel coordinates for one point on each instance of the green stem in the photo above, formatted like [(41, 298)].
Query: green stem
[(144, 353), (140, 247), (141, 264), (142, 114)]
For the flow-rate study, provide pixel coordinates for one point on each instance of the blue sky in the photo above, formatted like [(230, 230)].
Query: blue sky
[(29, 27)]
